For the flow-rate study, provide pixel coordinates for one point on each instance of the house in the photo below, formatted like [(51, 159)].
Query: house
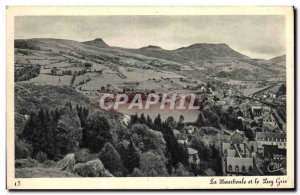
[(269, 118), (270, 138), (274, 153), (256, 111), (193, 156), (237, 157), (189, 129), (267, 127)]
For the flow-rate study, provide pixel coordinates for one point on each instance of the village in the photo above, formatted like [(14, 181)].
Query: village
[(236, 126)]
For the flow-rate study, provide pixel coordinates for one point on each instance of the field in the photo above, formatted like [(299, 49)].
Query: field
[(46, 79)]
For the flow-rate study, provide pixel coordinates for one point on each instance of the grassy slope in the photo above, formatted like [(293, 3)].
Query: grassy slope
[(31, 97), (41, 172)]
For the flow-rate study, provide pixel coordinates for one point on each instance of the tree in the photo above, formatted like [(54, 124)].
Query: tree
[(212, 119), (181, 171), (200, 122), (133, 119), (111, 159), (97, 132), (201, 148), (173, 148), (171, 122), (131, 157), (157, 123), (147, 139), (149, 122), (136, 173), (153, 165), (68, 133), (55, 133), (249, 134), (181, 119), (282, 89), (230, 110), (183, 153), (142, 119), (180, 124)]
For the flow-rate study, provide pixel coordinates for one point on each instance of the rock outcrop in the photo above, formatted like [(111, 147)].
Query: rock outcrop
[(92, 168), (67, 163)]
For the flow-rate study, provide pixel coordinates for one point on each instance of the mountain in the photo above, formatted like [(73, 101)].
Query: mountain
[(209, 51), (279, 59), (198, 59), (97, 43), (151, 47)]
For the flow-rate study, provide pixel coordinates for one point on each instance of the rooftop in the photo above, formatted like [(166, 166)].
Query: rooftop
[(192, 151)]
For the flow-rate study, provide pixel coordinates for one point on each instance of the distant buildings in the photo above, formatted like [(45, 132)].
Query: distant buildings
[(273, 153), (256, 111), (270, 138)]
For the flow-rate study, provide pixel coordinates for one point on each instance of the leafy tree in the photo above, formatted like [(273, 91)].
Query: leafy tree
[(97, 132), (147, 139), (22, 149), (68, 132), (131, 157), (173, 148), (212, 119), (230, 110), (136, 173), (41, 157), (183, 153), (200, 122), (171, 122), (153, 165), (180, 124), (181, 119), (111, 159), (249, 134), (200, 147), (181, 171), (55, 133)]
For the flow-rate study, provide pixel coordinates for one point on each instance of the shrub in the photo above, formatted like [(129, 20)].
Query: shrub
[(41, 157), (96, 132), (22, 149), (111, 159), (22, 163), (82, 155)]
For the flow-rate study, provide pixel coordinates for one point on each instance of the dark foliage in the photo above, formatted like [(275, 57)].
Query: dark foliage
[(96, 132)]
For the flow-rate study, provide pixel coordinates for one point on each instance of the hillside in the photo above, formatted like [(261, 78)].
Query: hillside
[(97, 43), (201, 51), (197, 60), (278, 59)]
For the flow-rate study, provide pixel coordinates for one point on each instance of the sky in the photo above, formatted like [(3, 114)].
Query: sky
[(255, 36)]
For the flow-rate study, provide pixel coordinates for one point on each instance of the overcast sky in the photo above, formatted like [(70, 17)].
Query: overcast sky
[(255, 36)]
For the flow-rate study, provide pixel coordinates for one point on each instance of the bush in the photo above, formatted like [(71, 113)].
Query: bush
[(49, 163), (41, 157), (22, 149), (82, 155), (111, 159), (22, 163), (96, 132)]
